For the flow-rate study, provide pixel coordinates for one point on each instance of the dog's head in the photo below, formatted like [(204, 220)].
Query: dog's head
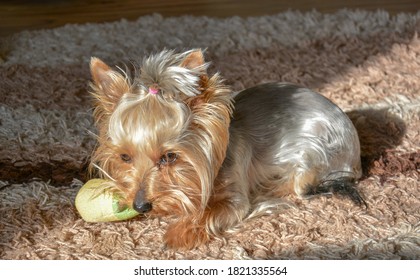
[(162, 135)]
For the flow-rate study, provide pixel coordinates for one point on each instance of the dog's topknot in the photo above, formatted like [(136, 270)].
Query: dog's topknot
[(172, 75)]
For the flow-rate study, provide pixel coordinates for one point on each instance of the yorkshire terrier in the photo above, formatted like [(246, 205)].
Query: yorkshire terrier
[(176, 141)]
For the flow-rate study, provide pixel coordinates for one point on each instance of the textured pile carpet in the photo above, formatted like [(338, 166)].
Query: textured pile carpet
[(368, 63)]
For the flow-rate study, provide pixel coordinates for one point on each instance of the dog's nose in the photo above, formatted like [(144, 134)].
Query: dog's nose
[(140, 203)]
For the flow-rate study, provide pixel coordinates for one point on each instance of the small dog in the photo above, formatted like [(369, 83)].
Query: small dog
[(176, 141)]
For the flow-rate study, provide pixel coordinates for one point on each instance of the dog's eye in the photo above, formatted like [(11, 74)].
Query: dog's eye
[(126, 158), (168, 158)]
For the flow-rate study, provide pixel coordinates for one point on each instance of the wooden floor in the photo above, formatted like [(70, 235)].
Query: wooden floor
[(17, 15)]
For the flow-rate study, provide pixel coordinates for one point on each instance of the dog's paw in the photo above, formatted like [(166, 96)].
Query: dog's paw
[(183, 235)]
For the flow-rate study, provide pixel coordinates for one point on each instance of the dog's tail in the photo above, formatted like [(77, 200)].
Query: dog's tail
[(343, 186)]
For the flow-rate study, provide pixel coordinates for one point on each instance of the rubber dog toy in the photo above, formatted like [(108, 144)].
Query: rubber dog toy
[(95, 204)]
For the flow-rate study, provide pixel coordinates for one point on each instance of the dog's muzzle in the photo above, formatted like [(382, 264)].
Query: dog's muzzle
[(140, 203)]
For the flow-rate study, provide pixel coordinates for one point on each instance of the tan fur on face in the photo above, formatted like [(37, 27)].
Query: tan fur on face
[(145, 126)]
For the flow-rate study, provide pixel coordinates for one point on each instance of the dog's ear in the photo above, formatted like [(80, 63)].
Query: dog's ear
[(108, 85), (211, 110), (194, 60)]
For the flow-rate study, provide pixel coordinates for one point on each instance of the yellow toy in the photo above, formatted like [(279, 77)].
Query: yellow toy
[(96, 204)]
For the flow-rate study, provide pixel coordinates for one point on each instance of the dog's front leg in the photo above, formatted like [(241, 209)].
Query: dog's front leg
[(228, 206)]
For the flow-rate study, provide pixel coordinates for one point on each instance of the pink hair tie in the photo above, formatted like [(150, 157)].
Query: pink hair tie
[(153, 90)]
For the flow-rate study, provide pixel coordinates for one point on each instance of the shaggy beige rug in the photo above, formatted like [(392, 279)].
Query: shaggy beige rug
[(368, 63)]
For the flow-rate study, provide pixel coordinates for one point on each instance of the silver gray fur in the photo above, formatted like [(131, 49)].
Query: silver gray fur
[(280, 132)]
